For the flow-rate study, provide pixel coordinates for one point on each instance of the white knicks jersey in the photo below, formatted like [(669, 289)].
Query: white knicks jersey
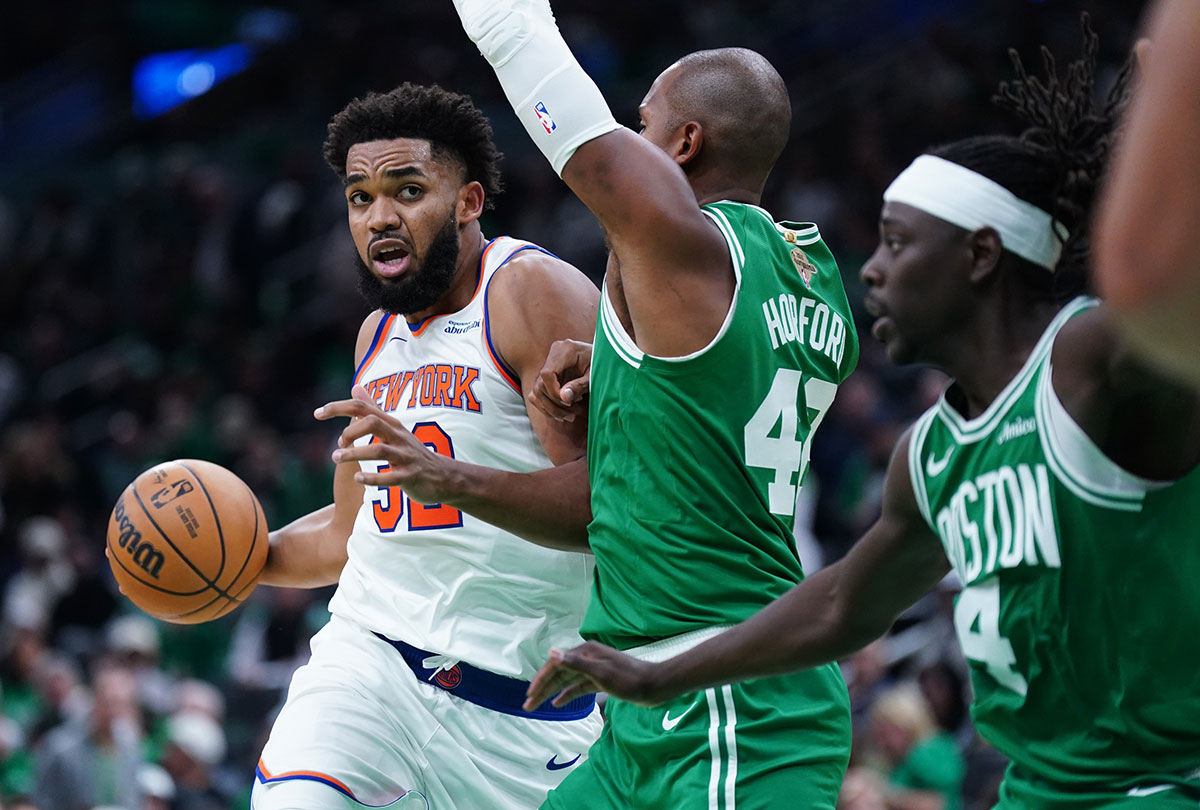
[(432, 575)]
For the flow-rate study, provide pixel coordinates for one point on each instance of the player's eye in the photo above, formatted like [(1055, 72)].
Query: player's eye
[(409, 192), (358, 198)]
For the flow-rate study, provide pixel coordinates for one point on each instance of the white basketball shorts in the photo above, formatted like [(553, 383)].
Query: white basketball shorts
[(360, 729)]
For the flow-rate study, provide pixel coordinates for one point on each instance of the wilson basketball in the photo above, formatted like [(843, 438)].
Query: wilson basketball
[(187, 541)]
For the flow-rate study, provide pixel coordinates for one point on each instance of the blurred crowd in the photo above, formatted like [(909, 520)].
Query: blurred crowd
[(181, 287)]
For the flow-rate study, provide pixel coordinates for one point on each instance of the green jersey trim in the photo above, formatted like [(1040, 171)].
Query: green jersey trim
[(625, 348), (915, 442), (805, 234), (967, 431), (1078, 463), (735, 246)]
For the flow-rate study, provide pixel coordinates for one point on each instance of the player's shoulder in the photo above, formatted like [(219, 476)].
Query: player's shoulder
[(367, 333), (534, 277)]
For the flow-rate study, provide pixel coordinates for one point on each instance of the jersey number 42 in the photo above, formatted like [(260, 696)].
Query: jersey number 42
[(786, 452)]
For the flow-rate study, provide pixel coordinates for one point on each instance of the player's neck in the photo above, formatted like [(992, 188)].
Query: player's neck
[(712, 186), (993, 350)]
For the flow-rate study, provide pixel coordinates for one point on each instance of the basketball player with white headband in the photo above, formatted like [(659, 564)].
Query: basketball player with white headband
[(1056, 476)]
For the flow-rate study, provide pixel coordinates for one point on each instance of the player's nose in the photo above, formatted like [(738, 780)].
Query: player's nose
[(383, 215), (871, 272)]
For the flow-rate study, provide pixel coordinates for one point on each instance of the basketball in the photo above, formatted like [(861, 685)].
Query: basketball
[(187, 541)]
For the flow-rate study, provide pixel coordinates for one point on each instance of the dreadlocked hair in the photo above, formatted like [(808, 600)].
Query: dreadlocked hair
[(453, 125), (1058, 161)]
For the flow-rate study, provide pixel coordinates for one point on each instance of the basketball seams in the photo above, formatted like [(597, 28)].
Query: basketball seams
[(216, 518), (183, 557), (255, 508), (114, 555)]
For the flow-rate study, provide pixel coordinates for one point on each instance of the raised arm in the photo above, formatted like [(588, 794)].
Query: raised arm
[(834, 612), (672, 259), (310, 551), (1147, 256)]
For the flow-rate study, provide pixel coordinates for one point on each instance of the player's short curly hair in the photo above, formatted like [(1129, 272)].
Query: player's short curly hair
[(451, 122)]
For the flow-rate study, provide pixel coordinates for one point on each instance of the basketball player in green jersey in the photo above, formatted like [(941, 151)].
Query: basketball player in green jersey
[(723, 337), (1057, 476)]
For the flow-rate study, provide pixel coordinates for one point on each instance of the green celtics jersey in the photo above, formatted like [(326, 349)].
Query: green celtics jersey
[(695, 461), (1079, 610)]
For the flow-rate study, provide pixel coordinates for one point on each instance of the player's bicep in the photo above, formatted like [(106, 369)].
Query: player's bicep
[(645, 203), (534, 301)]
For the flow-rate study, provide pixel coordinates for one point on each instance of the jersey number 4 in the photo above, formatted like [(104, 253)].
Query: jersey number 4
[(977, 622), (388, 503), (785, 452)]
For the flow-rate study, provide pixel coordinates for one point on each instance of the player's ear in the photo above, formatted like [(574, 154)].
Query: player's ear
[(986, 250), (688, 141), (470, 203)]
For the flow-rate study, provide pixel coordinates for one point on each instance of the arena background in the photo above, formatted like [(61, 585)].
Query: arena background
[(177, 283)]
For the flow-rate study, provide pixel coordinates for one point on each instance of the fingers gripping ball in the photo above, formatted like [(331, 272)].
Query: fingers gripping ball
[(187, 541)]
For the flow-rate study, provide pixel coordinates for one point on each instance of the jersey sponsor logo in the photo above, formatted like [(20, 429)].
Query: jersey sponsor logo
[(670, 722), (555, 765), (544, 116), (438, 385), (461, 327), (1001, 519), (1021, 426), (934, 467), (807, 323)]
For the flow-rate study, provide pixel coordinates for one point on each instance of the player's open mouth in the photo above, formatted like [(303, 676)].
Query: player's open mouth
[(390, 257)]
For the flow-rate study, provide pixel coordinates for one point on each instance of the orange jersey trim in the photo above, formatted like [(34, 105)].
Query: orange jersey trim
[(377, 344)]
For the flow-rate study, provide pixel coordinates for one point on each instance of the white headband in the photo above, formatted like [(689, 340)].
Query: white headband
[(969, 200)]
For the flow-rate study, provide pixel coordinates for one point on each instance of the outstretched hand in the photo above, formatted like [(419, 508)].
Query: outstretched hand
[(423, 474), (593, 667), (561, 387)]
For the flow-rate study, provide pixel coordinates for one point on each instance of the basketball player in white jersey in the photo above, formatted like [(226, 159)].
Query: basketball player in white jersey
[(412, 697)]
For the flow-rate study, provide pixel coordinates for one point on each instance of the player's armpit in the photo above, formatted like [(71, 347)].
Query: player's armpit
[(676, 274), (1143, 420)]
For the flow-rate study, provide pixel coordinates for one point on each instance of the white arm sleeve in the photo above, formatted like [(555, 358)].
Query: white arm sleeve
[(559, 105)]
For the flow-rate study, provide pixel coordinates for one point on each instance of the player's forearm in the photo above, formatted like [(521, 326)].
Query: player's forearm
[(810, 625), (558, 104), (309, 552), (1144, 245), (550, 507)]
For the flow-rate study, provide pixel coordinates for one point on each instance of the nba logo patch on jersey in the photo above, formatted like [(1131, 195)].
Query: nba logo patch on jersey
[(544, 116), (804, 267)]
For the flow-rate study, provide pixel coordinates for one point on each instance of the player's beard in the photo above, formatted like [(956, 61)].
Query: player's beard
[(421, 287)]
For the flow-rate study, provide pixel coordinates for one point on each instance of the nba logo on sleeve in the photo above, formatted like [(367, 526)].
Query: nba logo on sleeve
[(544, 116)]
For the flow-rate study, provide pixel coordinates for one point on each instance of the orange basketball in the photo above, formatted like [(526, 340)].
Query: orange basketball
[(187, 541)]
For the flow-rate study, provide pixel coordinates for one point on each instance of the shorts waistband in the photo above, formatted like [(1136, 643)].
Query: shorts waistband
[(672, 646), (487, 689)]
